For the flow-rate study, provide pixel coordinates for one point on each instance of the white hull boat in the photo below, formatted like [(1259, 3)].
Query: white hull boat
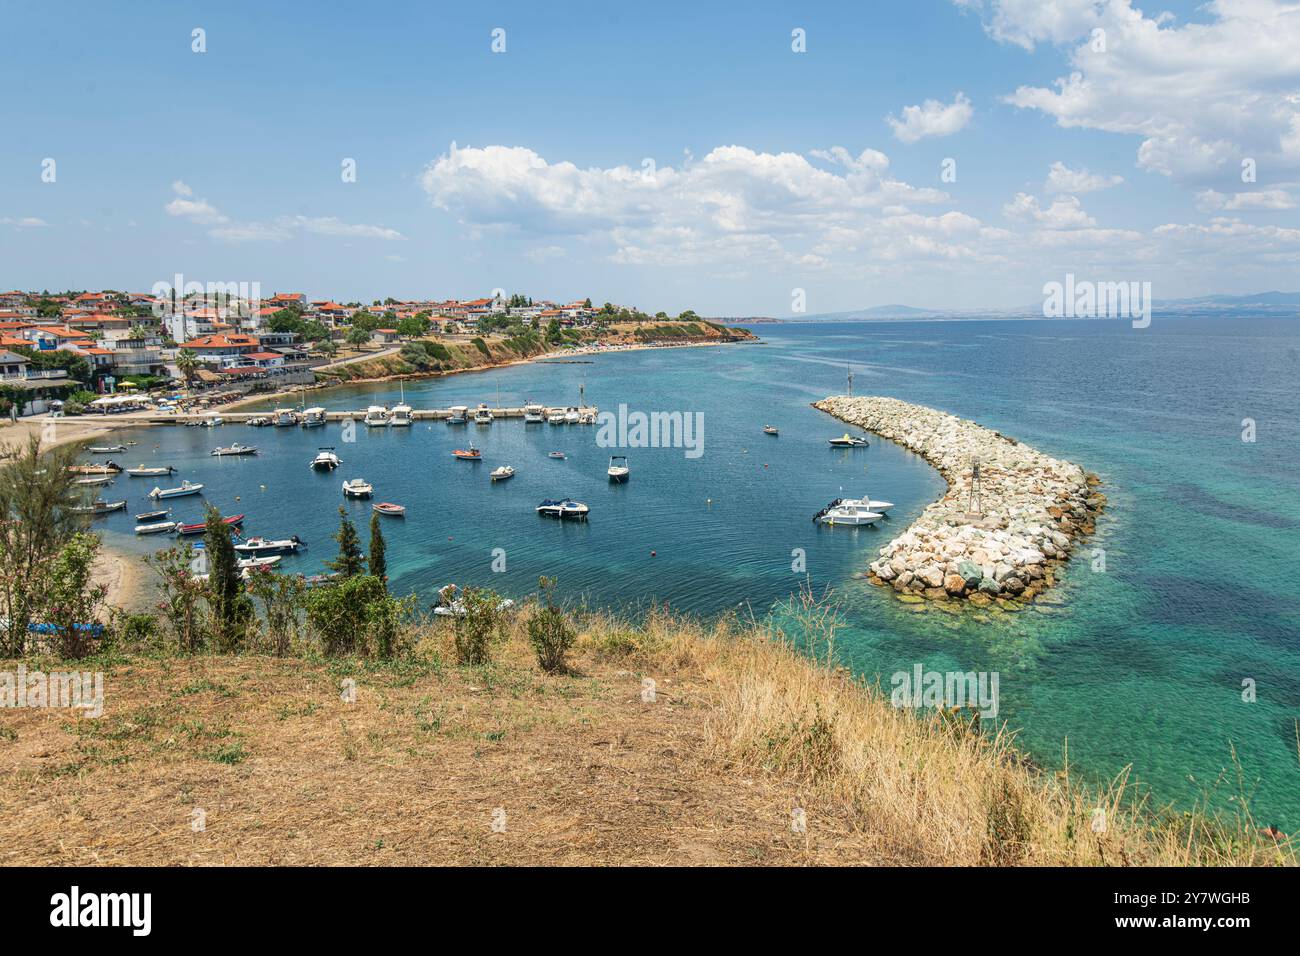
[(401, 417), (502, 473), (848, 441), (185, 489), (563, 508), (143, 472), (357, 488), (618, 471), (534, 414), (376, 416), (155, 527), (459, 415), (571, 416), (325, 460), (259, 546), (847, 511), (313, 418), (483, 415)]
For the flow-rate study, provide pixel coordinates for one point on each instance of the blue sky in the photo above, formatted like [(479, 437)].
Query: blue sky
[(773, 170)]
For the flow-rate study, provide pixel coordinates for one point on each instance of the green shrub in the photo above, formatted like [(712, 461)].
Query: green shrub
[(549, 630), (356, 615), (478, 626)]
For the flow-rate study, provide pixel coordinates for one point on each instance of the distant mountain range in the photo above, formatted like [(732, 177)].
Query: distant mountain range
[(1282, 303)]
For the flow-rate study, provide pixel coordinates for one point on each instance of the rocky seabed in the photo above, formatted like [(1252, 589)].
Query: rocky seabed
[(1034, 509)]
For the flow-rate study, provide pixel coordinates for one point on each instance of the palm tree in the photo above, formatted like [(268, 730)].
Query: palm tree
[(187, 363)]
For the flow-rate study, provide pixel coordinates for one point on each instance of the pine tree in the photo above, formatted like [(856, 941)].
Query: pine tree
[(230, 606), (350, 561), (378, 563)]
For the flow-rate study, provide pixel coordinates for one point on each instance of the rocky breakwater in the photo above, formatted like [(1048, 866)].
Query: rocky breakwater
[(1031, 509)]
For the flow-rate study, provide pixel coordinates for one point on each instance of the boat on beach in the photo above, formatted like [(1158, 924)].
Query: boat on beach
[(185, 488), (199, 527), (502, 473), (618, 470), (468, 454), (390, 509), (565, 508), (235, 450), (848, 441), (142, 471), (357, 488), (326, 460)]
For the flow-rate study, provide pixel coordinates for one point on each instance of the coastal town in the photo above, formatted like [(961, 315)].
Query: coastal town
[(73, 353)]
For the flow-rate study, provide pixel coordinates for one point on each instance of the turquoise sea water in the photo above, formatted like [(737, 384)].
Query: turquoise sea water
[(1142, 663)]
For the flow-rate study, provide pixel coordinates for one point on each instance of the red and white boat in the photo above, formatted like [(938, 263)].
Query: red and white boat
[(468, 454), (388, 508), (234, 521)]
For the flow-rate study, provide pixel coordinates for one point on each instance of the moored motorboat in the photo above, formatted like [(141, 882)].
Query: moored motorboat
[(109, 467), (235, 450), (618, 471), (848, 441), (199, 527), (105, 449), (185, 488), (459, 415), (401, 417), (142, 471), (376, 416), (482, 415), (258, 546), (259, 421), (284, 418), (847, 511), (563, 508), (468, 454), (313, 418), (534, 414), (264, 561), (555, 418), (212, 421), (502, 473), (450, 602), (357, 488), (571, 415), (326, 460), (390, 509), (149, 517), (557, 455), (95, 480), (99, 507), (771, 430)]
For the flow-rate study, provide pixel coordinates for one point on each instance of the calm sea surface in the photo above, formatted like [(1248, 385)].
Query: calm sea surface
[(1143, 663)]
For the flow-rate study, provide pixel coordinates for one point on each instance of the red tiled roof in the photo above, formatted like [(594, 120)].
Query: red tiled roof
[(263, 355), (219, 342)]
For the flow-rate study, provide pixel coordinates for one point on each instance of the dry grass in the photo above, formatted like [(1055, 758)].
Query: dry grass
[(744, 729)]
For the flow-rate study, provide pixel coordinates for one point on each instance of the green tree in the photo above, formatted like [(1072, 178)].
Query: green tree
[(549, 630), (358, 336), (231, 608), (412, 326), (378, 562), (187, 363), (553, 331), (72, 598), (350, 561)]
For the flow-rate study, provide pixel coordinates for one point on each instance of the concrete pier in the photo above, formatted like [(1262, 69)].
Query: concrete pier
[(435, 414)]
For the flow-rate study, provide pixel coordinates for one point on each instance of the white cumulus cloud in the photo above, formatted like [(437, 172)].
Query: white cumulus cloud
[(932, 118), (1062, 179)]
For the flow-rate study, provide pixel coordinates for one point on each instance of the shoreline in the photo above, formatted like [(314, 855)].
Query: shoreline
[(1033, 509)]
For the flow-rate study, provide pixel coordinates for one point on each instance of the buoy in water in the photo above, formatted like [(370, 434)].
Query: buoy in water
[(653, 554)]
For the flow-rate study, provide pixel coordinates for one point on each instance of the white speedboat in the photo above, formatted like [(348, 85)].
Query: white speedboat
[(847, 511), (142, 472), (571, 415), (260, 546), (563, 508), (313, 418), (259, 562), (258, 421), (105, 449), (871, 504), (771, 430), (482, 415), (357, 488), (99, 507), (376, 416), (325, 460), (459, 415), (534, 414), (95, 480), (502, 473), (155, 527), (618, 470), (401, 417), (556, 418), (185, 488), (284, 417), (848, 441), (212, 421), (450, 603)]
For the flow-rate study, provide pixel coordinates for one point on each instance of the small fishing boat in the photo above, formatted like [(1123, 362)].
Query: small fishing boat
[(259, 421), (563, 508), (284, 418), (199, 527), (376, 416), (534, 414), (557, 455), (142, 471), (313, 418), (468, 454), (99, 507), (482, 415), (155, 527), (502, 473), (459, 415), (185, 488), (109, 467), (357, 488), (264, 561), (771, 430), (106, 449), (618, 470), (326, 460), (390, 509), (571, 415), (848, 441), (235, 450), (259, 546), (95, 480), (150, 517)]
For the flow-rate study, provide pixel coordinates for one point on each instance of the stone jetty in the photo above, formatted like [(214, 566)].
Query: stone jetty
[(1031, 508)]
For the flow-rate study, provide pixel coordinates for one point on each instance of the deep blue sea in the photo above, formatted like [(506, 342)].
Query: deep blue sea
[(1142, 663)]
